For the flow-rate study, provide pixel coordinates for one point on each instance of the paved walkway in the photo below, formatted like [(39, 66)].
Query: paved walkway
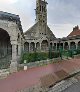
[(26, 79)]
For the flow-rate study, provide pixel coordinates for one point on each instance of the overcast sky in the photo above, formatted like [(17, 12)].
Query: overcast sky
[(63, 15)]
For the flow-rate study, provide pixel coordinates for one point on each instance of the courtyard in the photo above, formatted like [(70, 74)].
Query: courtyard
[(26, 79), (52, 61)]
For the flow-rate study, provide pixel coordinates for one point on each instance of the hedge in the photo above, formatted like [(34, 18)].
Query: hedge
[(37, 56)]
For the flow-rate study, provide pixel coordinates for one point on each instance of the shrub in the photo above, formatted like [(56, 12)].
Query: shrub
[(38, 56), (55, 54), (78, 51), (32, 57)]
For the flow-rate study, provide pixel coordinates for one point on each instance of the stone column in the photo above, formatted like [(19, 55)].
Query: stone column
[(63, 46), (40, 46), (35, 45), (52, 45), (56, 46), (76, 45), (22, 46), (13, 65), (69, 45), (19, 49), (29, 47)]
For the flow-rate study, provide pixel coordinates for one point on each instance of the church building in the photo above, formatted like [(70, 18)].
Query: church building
[(39, 37)]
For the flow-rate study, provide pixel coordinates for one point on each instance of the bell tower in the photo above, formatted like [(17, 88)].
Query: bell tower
[(41, 10), (41, 15)]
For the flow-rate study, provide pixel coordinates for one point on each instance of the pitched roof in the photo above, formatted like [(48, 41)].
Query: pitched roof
[(33, 32), (75, 32), (31, 29)]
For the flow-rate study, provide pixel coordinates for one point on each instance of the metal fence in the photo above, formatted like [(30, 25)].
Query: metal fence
[(69, 53)]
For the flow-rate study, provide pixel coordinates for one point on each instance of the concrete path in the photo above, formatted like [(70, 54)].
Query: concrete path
[(26, 79)]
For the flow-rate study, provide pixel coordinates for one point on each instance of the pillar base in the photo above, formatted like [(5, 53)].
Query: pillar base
[(13, 67)]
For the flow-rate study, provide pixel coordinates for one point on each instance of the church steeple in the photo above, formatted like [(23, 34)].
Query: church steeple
[(41, 11)]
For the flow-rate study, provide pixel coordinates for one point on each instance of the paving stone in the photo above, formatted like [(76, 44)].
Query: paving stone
[(63, 85), (48, 80), (61, 74)]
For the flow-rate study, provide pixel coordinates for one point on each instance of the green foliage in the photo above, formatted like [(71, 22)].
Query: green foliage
[(42, 56), (38, 56), (55, 54), (50, 53), (32, 57), (29, 57), (78, 51)]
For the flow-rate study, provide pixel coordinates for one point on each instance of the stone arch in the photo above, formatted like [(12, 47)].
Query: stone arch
[(8, 26), (5, 47), (26, 47), (37, 46), (72, 45), (44, 45), (66, 46), (59, 45), (32, 46)]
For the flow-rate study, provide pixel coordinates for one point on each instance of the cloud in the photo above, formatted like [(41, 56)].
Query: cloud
[(63, 15), (61, 30), (23, 8), (64, 11), (8, 1)]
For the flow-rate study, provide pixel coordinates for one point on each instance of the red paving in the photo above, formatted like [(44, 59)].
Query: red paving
[(26, 79)]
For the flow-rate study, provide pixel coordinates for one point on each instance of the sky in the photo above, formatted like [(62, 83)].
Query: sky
[(63, 15)]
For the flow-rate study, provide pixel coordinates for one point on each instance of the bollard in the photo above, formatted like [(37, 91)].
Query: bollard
[(25, 66)]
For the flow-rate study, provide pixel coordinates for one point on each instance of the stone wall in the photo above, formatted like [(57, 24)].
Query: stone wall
[(39, 63), (16, 40)]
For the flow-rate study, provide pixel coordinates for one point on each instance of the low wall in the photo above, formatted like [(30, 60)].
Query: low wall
[(39, 63), (4, 73), (77, 56)]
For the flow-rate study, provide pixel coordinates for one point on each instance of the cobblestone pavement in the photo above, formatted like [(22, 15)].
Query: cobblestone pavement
[(73, 88), (69, 85), (31, 77), (63, 85)]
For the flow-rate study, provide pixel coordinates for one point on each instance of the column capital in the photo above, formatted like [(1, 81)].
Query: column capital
[(69, 43), (14, 42), (76, 42)]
